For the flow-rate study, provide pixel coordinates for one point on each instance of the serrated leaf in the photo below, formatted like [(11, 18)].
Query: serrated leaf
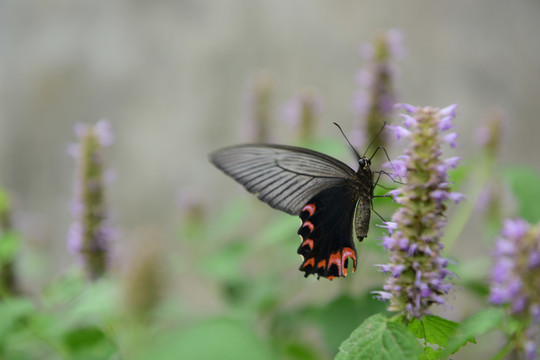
[(436, 331), (478, 324), (379, 339)]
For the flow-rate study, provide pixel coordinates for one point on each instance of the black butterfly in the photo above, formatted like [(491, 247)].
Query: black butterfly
[(322, 190)]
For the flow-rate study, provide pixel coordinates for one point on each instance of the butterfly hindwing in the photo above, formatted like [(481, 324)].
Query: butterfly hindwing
[(326, 231)]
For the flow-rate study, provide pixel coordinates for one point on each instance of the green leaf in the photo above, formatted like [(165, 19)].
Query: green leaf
[(379, 339), (436, 332), (11, 313), (524, 184), (478, 324), (300, 351), (88, 342)]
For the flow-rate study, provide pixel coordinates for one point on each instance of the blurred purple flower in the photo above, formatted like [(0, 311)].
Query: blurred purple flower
[(301, 112), (418, 274), (259, 91), (514, 276), (515, 280), (373, 102), (489, 135), (90, 233)]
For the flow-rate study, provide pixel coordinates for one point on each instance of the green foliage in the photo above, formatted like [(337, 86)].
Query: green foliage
[(213, 339), (378, 338), (434, 332), (9, 245), (341, 316), (88, 342), (4, 201), (478, 324), (524, 184)]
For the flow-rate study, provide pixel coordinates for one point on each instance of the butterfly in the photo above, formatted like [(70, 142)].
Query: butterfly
[(324, 192)]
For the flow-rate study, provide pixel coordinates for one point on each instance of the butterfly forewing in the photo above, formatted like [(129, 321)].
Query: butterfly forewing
[(285, 177)]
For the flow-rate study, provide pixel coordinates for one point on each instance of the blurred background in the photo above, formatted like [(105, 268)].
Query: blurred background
[(174, 78)]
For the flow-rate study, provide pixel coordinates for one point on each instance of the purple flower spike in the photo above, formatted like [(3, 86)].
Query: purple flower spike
[(515, 280), (407, 107), (450, 111), (382, 295), (373, 102), (408, 120), (400, 131), (456, 197), (418, 275), (394, 41), (104, 132), (89, 235), (515, 229), (301, 112), (450, 139), (389, 225)]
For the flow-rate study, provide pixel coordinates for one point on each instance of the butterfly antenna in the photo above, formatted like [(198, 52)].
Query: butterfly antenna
[(375, 138), (352, 147)]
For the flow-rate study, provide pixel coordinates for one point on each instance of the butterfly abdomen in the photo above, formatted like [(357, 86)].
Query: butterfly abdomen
[(362, 216)]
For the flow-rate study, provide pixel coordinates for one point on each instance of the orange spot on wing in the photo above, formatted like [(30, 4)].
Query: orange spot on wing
[(310, 208), (335, 259), (307, 242), (348, 253), (308, 224), (308, 262), (322, 264)]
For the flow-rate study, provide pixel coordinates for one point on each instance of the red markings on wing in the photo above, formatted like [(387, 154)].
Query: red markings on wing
[(309, 225), (309, 262), (337, 258), (316, 260), (348, 253), (307, 242), (310, 208)]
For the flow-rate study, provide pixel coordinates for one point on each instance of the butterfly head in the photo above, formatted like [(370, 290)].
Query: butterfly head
[(364, 163)]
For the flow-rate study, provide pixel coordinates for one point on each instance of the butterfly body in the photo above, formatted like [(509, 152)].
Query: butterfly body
[(324, 192)]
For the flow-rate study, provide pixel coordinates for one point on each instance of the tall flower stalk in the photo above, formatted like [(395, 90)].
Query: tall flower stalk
[(516, 282), (375, 97), (90, 232), (301, 113), (418, 277), (258, 104)]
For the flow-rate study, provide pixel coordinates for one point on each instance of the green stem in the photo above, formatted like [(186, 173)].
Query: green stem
[(456, 225), (504, 351)]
